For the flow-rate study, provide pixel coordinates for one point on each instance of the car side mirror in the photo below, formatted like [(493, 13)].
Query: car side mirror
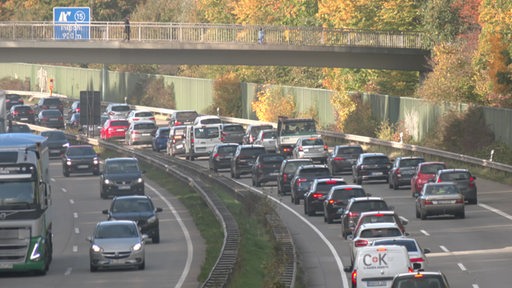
[(403, 220), (89, 239), (341, 211), (416, 194), (368, 194), (350, 237), (105, 211), (407, 234), (347, 268), (159, 209), (426, 250), (145, 238), (392, 208)]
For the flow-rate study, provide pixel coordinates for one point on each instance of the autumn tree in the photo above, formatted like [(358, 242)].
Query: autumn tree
[(441, 20), (340, 100), (159, 95), (227, 96), (271, 103)]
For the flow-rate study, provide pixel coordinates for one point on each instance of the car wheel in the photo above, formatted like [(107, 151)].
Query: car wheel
[(329, 220), (65, 173), (417, 213), (423, 215), (93, 268), (291, 198), (461, 214), (396, 185), (215, 169), (472, 201), (142, 266), (258, 183), (311, 212), (390, 185), (156, 238), (96, 173), (237, 175), (359, 181), (296, 201)]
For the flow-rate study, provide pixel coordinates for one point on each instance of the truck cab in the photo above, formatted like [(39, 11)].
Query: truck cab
[(289, 130), (200, 140)]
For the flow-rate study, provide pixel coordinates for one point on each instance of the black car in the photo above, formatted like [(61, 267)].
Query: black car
[(371, 166), (182, 117), (232, 133), (338, 198), (314, 198), (244, 158), (252, 132), (286, 172), (18, 128), (49, 103), (121, 176), (139, 209), (51, 118), (57, 142), (350, 215), (266, 168), (80, 159), (22, 113), (221, 155), (302, 179), (13, 99), (402, 171), (343, 157), (160, 139)]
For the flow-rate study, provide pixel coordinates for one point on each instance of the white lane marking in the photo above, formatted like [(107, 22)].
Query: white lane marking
[(64, 190), (497, 211), (425, 232), (318, 232), (475, 286), (461, 266), (75, 248), (68, 271), (52, 179), (75, 215), (77, 230), (444, 248), (71, 201), (190, 247), (501, 251)]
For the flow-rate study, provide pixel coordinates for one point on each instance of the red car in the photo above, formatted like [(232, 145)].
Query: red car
[(425, 172), (114, 128)]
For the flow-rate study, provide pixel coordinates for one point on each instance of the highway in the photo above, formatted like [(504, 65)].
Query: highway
[(77, 206)]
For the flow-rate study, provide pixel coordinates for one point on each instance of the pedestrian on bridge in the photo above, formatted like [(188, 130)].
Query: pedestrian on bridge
[(127, 29), (261, 36)]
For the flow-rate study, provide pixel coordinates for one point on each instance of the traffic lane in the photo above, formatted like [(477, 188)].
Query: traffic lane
[(77, 207)]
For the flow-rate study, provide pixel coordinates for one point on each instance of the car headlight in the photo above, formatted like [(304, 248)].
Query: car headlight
[(152, 219), (107, 181), (137, 247), (68, 162), (96, 249), (95, 161), (140, 180)]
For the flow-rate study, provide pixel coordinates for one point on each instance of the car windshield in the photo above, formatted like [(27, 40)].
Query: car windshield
[(375, 160), (426, 281), (454, 176), (120, 108), (431, 168), (380, 232), (52, 102), (410, 162), (120, 123), (252, 151), (207, 132), (378, 219), (298, 128), (143, 114), (362, 206), (54, 135), (318, 172), (116, 231), (255, 130), (81, 151), (344, 194), (409, 244), (349, 151), (312, 142), (326, 186), (271, 158), (186, 116), (50, 113), (122, 166), (210, 121), (22, 108), (144, 126), (233, 128), (441, 190), (269, 135), (19, 128), (164, 132), (227, 149), (132, 205), (291, 167)]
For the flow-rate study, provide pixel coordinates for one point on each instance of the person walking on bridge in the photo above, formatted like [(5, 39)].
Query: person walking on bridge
[(127, 29), (261, 36)]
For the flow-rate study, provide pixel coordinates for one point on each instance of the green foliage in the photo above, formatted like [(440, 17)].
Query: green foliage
[(9, 83), (441, 20), (159, 95), (164, 11), (391, 132), (360, 121), (271, 103), (227, 96)]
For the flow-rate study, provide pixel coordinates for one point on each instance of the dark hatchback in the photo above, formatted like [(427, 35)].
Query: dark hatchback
[(22, 113), (350, 215), (139, 209), (121, 176), (57, 142), (232, 133), (221, 155), (80, 159), (13, 99), (338, 198), (286, 173), (302, 179), (314, 198), (403, 170), (160, 139), (371, 166), (342, 158), (266, 168), (51, 118), (252, 132), (18, 128), (244, 158)]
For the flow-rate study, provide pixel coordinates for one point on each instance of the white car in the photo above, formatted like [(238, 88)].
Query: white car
[(140, 115), (371, 232), (416, 253)]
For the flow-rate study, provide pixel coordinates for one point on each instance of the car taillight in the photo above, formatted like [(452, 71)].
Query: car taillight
[(427, 202), (354, 278), (411, 270), (353, 214), (30, 112), (251, 138), (471, 181), (192, 140), (152, 118), (135, 119), (300, 149), (318, 195), (397, 171), (331, 182), (459, 201), (77, 110), (259, 166), (216, 156), (326, 147), (361, 243), (417, 260), (178, 123), (300, 180), (338, 159), (15, 113), (45, 107), (439, 180), (285, 177), (331, 201), (111, 113)]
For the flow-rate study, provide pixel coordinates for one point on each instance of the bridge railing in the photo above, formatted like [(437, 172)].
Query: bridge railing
[(214, 33)]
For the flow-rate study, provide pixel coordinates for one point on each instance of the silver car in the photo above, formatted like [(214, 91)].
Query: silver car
[(140, 132), (267, 138), (312, 148), (440, 199), (416, 253), (117, 244)]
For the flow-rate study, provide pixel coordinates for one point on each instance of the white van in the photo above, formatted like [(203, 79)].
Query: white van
[(200, 140), (207, 120), (375, 266)]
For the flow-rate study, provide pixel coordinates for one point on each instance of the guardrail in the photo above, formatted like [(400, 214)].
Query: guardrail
[(218, 33)]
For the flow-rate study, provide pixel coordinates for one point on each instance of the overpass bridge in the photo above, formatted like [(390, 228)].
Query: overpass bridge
[(211, 44)]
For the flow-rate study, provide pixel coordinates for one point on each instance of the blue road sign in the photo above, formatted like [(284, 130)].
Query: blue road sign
[(71, 23)]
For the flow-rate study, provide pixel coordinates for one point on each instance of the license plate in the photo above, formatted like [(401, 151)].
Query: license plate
[(83, 166), (120, 130), (24, 119), (55, 151), (274, 174), (375, 283), (179, 146), (6, 266), (443, 202), (376, 173), (145, 134), (54, 119), (124, 187)]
